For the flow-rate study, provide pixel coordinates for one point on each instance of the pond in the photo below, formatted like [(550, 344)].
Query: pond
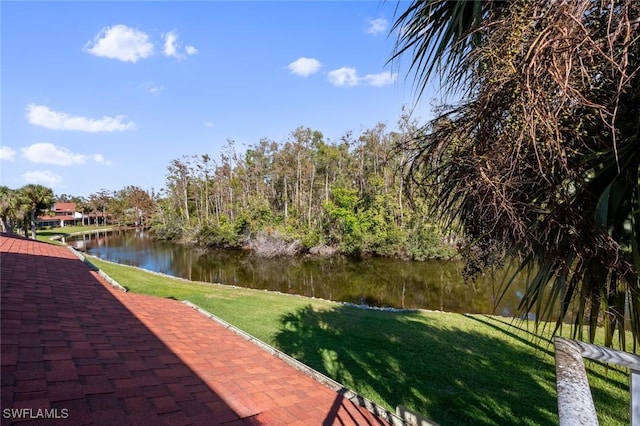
[(436, 285)]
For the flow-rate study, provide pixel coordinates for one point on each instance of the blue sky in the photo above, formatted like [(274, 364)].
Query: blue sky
[(105, 94)]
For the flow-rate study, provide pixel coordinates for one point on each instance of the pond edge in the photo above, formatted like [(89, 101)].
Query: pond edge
[(404, 417)]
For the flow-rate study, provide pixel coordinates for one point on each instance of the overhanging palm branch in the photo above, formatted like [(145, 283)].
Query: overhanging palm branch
[(540, 162), (438, 34)]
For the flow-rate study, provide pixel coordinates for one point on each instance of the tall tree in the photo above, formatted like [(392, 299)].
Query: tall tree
[(142, 204), (99, 202), (84, 207), (179, 179), (9, 208), (539, 161), (39, 198)]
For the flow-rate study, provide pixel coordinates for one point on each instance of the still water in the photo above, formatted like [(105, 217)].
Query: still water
[(437, 285)]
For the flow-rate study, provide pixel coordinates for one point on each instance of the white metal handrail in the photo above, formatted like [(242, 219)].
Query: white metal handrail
[(575, 403)]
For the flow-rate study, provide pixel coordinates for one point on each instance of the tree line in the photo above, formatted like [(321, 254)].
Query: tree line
[(20, 208), (129, 206), (303, 193)]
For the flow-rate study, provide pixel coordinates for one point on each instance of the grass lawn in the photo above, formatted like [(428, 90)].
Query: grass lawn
[(452, 368), (46, 235)]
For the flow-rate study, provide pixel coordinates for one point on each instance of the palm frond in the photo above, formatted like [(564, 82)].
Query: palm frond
[(541, 161), (438, 34)]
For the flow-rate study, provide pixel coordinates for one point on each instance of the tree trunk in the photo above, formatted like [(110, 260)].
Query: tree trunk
[(33, 224), (206, 198), (296, 201), (286, 202), (326, 186), (218, 208), (6, 226), (186, 202), (313, 177)]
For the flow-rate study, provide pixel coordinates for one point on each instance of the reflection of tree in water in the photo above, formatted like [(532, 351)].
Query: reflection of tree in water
[(373, 281), (220, 266)]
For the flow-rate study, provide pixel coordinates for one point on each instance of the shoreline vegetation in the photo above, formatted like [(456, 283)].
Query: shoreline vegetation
[(305, 194), (452, 368)]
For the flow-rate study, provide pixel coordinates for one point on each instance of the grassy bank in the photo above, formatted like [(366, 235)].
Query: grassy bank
[(463, 369), (49, 235)]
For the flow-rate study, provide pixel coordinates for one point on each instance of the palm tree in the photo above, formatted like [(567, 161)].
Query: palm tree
[(82, 206), (8, 208), (539, 159), (439, 34), (39, 198)]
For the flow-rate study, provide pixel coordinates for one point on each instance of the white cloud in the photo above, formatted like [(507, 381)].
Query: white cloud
[(99, 158), (172, 47), (7, 153), (304, 66), (377, 26), (44, 177), (40, 115), (209, 124), (381, 79), (48, 153), (348, 76), (122, 43), (171, 44), (152, 87), (344, 77)]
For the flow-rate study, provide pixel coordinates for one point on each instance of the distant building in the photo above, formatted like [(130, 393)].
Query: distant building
[(65, 214), (61, 215)]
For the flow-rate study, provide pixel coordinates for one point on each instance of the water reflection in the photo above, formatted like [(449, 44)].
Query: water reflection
[(377, 282)]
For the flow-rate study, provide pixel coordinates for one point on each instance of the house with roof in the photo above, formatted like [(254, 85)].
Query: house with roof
[(61, 215), (65, 214)]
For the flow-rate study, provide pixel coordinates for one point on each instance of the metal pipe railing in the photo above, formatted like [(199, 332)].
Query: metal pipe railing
[(575, 403)]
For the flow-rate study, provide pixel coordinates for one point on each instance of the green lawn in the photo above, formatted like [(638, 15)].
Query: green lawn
[(46, 235), (454, 369)]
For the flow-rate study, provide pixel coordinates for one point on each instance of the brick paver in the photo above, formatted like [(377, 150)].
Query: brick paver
[(75, 347)]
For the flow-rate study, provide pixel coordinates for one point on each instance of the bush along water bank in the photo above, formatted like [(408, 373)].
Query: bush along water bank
[(273, 242), (348, 195)]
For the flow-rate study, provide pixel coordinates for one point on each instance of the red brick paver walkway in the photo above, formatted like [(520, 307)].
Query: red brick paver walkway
[(86, 353)]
